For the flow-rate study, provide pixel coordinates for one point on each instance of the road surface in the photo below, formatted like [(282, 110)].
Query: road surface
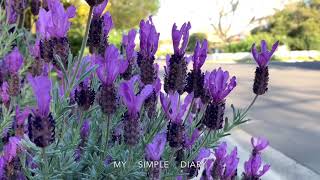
[(289, 114)]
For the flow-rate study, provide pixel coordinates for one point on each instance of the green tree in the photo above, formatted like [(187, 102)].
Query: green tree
[(297, 25), (127, 14)]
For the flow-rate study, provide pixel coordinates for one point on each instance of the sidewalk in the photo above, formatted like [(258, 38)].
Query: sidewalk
[(282, 167)]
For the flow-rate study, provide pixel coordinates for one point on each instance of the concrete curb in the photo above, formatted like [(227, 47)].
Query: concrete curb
[(282, 167)]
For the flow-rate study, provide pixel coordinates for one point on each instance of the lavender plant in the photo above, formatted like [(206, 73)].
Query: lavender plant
[(103, 115)]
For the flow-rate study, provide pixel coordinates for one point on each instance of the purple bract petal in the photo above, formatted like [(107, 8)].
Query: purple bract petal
[(85, 129), (155, 149), (218, 86), (4, 91), (129, 44), (41, 86), (12, 15), (108, 23), (263, 58), (259, 143), (111, 66), (177, 35), (200, 54), (131, 100), (231, 164), (22, 116), (10, 149), (190, 142), (13, 61), (98, 10), (203, 153), (149, 39)]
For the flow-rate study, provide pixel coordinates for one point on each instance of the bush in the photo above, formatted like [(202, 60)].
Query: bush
[(193, 40), (246, 44)]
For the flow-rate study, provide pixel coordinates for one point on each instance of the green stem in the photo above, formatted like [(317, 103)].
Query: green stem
[(200, 146), (45, 163), (189, 111), (108, 129), (83, 46), (251, 104)]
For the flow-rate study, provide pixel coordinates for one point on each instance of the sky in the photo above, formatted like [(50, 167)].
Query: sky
[(202, 13)]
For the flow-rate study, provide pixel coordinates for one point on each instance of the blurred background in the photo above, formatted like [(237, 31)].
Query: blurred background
[(288, 115)]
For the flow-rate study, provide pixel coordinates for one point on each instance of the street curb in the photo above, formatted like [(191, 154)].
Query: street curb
[(282, 167)]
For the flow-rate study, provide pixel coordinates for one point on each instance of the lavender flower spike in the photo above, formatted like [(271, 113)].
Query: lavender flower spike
[(177, 35), (131, 100), (155, 149), (263, 58), (11, 148), (111, 66), (41, 87)]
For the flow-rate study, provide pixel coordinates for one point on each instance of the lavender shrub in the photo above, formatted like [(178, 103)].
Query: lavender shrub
[(103, 115)]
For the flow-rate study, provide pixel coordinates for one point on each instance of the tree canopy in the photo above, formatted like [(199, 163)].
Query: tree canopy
[(127, 14)]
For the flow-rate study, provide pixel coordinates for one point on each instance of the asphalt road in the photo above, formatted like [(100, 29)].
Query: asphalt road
[(289, 114)]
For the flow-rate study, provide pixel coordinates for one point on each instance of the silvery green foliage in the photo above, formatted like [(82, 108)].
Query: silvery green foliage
[(99, 153)]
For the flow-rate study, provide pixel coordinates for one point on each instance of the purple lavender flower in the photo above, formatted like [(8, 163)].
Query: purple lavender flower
[(13, 61), (60, 18), (263, 58), (99, 30), (178, 35), (225, 165), (218, 88), (12, 15), (259, 144), (218, 85), (111, 66), (108, 23), (195, 78), (43, 23), (194, 170), (252, 166), (129, 97), (20, 120), (41, 87), (2, 166), (200, 55), (174, 113), (171, 108), (133, 102), (149, 39), (231, 162), (261, 78), (11, 148), (85, 129), (98, 10), (4, 92), (155, 149), (129, 44), (189, 142), (35, 49), (41, 117)]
